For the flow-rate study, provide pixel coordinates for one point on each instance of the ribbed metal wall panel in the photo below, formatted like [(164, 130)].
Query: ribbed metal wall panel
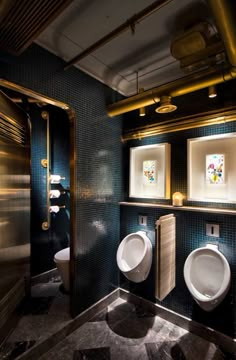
[(23, 20)]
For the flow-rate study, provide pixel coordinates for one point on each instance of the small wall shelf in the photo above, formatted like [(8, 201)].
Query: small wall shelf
[(183, 208)]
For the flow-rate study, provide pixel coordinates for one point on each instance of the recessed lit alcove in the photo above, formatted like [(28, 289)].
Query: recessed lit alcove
[(212, 168), (150, 171)]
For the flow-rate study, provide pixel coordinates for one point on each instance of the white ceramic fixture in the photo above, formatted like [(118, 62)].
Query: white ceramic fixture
[(207, 276), (134, 256), (62, 260)]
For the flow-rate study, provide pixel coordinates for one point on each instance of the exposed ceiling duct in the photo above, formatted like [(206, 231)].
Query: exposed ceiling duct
[(21, 21), (224, 19), (197, 47)]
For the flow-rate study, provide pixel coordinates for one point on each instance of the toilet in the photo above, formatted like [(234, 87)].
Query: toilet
[(62, 260), (134, 256), (207, 276)]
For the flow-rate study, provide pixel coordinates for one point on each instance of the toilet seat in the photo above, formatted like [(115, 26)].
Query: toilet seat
[(207, 276), (134, 256), (62, 255)]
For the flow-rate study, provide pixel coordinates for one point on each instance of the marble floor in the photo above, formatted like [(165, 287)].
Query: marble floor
[(126, 332), (46, 312), (121, 332)]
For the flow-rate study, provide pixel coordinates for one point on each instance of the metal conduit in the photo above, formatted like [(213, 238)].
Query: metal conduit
[(224, 14), (224, 17)]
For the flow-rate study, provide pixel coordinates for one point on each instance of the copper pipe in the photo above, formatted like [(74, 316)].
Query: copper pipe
[(224, 16), (129, 24), (175, 88), (225, 19)]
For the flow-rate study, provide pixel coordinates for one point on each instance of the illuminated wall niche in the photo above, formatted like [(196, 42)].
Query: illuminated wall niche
[(150, 171), (212, 168)]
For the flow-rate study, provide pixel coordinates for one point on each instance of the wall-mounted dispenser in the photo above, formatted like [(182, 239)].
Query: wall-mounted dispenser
[(56, 179), (55, 194), (55, 208)]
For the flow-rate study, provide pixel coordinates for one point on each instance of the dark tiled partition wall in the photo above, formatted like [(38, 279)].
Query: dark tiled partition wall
[(98, 166), (44, 244), (60, 165), (191, 234)]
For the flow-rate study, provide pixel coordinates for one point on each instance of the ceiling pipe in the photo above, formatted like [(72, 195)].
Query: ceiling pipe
[(194, 82), (224, 16), (175, 88), (129, 24)]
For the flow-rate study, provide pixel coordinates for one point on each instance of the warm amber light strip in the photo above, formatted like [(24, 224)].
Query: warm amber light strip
[(183, 208), (184, 123)]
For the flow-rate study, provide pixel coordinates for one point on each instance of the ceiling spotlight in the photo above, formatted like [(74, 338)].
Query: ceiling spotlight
[(165, 105), (142, 110), (212, 91)]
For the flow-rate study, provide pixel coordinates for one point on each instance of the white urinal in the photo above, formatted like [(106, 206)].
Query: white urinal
[(134, 256), (207, 276)]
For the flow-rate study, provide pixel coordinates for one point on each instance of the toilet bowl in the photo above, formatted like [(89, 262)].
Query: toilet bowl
[(134, 256), (207, 276), (62, 260)]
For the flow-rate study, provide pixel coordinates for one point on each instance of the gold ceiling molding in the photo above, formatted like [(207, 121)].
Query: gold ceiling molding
[(215, 117)]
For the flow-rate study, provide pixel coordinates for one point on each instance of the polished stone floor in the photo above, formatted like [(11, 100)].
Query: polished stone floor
[(46, 312), (121, 332), (125, 332)]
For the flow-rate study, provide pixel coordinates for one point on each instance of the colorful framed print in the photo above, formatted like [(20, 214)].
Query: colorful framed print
[(215, 168), (150, 171)]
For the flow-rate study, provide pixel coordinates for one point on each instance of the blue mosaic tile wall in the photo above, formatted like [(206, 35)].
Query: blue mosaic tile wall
[(190, 228), (44, 244), (98, 166)]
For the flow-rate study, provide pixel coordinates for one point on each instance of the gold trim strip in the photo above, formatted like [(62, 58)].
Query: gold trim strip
[(33, 94), (46, 224), (183, 123)]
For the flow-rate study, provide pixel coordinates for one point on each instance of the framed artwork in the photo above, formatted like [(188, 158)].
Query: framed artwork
[(215, 168), (212, 168), (150, 171)]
